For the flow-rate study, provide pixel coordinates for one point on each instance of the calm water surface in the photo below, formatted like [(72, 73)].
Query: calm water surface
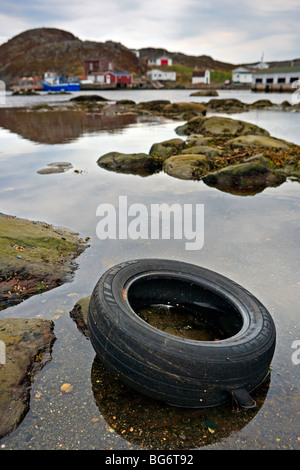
[(253, 240)]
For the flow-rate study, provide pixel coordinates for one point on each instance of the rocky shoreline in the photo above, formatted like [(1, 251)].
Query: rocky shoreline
[(35, 257)]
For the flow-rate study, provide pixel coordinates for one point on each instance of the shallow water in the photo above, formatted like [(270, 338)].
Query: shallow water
[(253, 240)]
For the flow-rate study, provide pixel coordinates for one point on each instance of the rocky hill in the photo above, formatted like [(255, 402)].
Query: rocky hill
[(35, 51), (202, 61)]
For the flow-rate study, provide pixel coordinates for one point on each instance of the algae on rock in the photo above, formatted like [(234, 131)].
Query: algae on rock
[(35, 257)]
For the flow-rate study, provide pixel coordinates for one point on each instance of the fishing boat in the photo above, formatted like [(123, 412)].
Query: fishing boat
[(61, 86)]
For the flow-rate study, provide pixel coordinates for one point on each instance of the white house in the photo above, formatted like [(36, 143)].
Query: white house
[(162, 60), (161, 75), (95, 77), (279, 78), (242, 75), (201, 76)]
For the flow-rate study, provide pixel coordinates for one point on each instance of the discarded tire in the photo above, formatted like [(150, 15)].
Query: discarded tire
[(173, 369)]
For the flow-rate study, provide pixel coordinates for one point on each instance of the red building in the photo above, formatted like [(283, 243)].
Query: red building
[(120, 79)]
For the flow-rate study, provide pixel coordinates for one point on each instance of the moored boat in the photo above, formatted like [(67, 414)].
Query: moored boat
[(64, 86)]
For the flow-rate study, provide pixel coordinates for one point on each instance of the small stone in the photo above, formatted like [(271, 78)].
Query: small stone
[(67, 388)]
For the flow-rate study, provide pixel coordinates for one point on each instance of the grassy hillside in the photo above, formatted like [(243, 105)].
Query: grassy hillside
[(184, 74)]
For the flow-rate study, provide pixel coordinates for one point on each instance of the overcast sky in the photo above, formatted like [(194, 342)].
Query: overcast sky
[(235, 31)]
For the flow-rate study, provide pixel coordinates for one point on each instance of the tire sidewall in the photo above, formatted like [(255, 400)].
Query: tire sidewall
[(239, 361)]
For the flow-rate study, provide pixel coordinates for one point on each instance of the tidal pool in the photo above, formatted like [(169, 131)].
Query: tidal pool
[(254, 240)]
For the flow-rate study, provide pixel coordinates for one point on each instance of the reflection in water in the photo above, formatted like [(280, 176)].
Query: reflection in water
[(55, 127), (249, 185), (152, 424)]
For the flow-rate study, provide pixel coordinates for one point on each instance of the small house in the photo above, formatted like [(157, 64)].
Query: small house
[(201, 76), (115, 78), (159, 61), (120, 79), (97, 65), (161, 75), (242, 75)]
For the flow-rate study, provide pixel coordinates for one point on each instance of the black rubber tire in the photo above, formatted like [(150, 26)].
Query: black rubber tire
[(174, 369)]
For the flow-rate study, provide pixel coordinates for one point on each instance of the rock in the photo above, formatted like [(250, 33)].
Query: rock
[(28, 344), (247, 178), (141, 164), (66, 388), (126, 102), (167, 148), (187, 167), (47, 261), (184, 110), (205, 93), (84, 98), (227, 105), (219, 126), (56, 167), (197, 139), (79, 314), (154, 106), (259, 141), (203, 149), (259, 104)]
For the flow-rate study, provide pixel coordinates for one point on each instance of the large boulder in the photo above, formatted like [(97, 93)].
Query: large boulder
[(166, 149), (227, 105), (247, 178), (187, 167), (185, 110), (205, 93), (28, 344), (35, 257), (154, 106), (262, 141), (141, 164), (219, 126), (203, 149)]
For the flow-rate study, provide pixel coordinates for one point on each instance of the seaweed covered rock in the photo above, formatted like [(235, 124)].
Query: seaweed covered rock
[(141, 164), (187, 167), (261, 141), (219, 126), (205, 93), (35, 257), (184, 110), (28, 344), (247, 178), (203, 149), (227, 105), (167, 148), (154, 106)]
